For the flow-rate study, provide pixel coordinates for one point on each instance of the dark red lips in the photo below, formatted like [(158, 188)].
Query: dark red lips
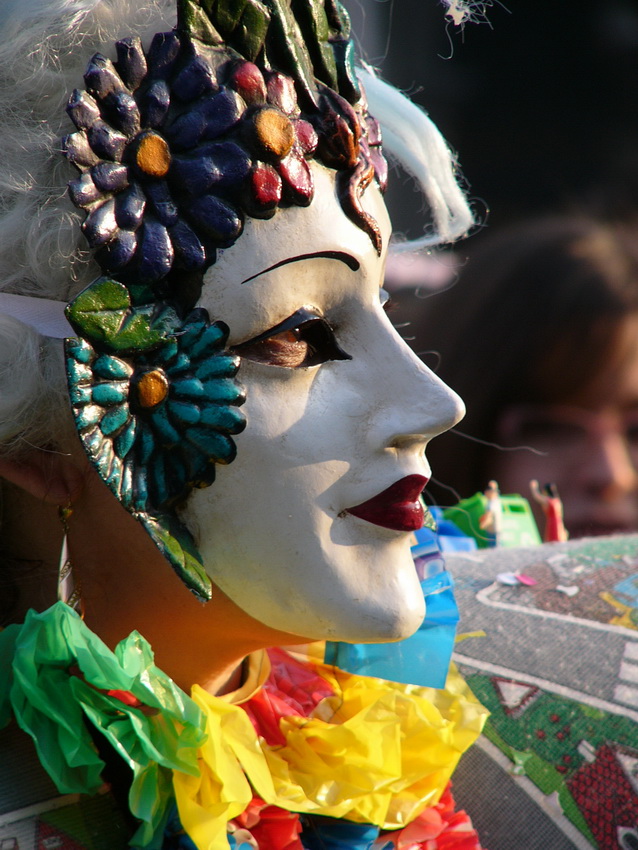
[(397, 507)]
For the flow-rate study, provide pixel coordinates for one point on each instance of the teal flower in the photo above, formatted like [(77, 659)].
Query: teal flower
[(156, 423)]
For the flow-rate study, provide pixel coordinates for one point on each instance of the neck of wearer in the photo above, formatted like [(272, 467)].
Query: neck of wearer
[(126, 585)]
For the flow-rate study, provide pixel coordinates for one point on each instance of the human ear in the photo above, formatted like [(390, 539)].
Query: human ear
[(49, 475)]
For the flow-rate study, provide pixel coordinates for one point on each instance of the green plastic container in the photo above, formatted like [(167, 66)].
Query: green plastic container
[(518, 525)]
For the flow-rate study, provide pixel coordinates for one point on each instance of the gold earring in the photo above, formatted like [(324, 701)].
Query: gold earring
[(69, 591)]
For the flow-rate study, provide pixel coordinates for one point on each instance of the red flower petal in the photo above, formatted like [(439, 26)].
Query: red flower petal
[(291, 690), (296, 683), (298, 182), (271, 826), (437, 828), (126, 697), (380, 164), (278, 828), (248, 81), (281, 92), (306, 136), (374, 131), (266, 186)]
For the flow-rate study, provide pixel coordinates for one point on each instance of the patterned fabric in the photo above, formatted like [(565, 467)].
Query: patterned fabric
[(557, 668)]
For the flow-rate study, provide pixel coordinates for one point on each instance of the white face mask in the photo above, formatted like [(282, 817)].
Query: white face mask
[(274, 529)]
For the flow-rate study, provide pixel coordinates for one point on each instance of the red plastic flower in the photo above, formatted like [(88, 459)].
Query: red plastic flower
[(291, 689), (271, 826), (439, 827)]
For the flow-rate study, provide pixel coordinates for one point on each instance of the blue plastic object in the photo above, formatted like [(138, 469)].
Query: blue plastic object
[(422, 659), (451, 538)]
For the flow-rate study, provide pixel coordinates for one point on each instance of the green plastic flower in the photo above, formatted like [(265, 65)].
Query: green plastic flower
[(57, 674)]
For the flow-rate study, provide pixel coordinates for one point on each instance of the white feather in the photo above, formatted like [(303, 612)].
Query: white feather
[(411, 138)]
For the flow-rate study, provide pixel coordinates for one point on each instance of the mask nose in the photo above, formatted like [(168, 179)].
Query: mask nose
[(610, 468), (445, 409), (417, 404)]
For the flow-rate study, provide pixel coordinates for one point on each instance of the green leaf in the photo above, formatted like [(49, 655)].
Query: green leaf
[(240, 24), (103, 314), (313, 21), (178, 547), (253, 26), (229, 12), (197, 22), (305, 39), (288, 49)]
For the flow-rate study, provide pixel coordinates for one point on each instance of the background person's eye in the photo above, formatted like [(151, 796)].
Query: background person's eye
[(304, 339)]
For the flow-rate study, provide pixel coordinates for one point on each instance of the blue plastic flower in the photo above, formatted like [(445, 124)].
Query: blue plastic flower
[(134, 116), (174, 148), (155, 424), (324, 833)]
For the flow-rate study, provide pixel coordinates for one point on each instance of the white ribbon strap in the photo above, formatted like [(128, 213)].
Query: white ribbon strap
[(44, 315)]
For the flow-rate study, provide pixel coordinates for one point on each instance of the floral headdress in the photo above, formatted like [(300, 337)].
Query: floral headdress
[(176, 146)]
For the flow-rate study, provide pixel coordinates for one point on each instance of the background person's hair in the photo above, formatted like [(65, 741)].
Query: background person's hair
[(533, 318)]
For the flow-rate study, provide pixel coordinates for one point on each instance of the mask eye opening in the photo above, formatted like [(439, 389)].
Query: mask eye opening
[(310, 328)]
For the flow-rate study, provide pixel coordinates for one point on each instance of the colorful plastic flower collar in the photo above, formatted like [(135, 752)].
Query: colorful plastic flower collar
[(374, 752), (326, 744)]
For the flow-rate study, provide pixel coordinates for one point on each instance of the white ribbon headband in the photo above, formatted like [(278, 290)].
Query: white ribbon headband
[(44, 315)]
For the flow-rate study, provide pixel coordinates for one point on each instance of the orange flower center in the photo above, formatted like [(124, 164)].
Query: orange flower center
[(153, 156), (152, 388), (274, 132)]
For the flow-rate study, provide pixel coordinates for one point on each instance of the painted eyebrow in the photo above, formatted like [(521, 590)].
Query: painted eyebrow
[(341, 256)]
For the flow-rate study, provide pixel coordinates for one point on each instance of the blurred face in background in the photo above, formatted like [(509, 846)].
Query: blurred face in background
[(587, 445)]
